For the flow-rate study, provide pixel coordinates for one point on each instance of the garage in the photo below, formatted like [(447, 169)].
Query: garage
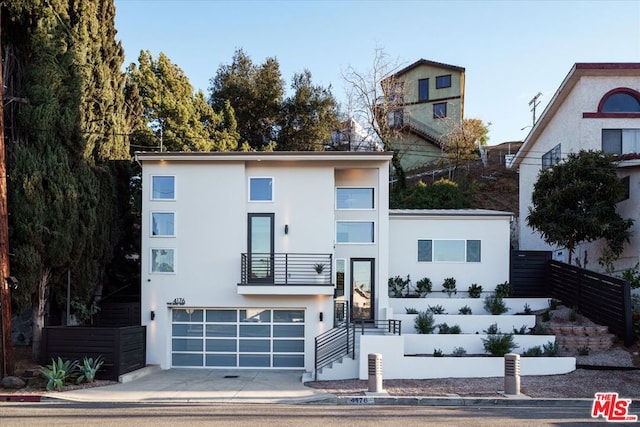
[(237, 338)]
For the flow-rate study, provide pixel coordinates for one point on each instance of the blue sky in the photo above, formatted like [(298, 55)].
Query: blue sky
[(511, 49)]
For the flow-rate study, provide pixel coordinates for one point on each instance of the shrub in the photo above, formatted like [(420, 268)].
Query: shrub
[(494, 304), (443, 328), (437, 353), (449, 286), (538, 329), (474, 290), (424, 322), (521, 331), (411, 310), (533, 352), (465, 310), (573, 314), (398, 286), (437, 309), (632, 275), (459, 352), (89, 368), (583, 351), (503, 290), (58, 373), (423, 287), (550, 348), (498, 344), (553, 303), (527, 309)]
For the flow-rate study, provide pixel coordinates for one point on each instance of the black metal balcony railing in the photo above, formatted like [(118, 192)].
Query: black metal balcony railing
[(286, 269)]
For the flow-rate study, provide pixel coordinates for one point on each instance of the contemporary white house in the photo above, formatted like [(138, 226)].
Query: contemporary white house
[(596, 107), (248, 257)]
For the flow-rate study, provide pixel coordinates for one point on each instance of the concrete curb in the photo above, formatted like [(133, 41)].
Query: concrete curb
[(463, 401)]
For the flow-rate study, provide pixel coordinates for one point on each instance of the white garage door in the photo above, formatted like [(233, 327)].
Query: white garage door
[(240, 338)]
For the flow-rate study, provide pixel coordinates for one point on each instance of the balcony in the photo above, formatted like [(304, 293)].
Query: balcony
[(286, 274)]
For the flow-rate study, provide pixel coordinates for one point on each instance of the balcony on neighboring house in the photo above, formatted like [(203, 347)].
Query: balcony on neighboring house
[(286, 274)]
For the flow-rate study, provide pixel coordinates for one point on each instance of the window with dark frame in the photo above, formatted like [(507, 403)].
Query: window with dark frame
[(423, 90), (440, 110), (551, 157), (620, 141), (443, 81), (449, 250)]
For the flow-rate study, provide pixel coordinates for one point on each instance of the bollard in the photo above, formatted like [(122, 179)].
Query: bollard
[(375, 373), (512, 373)]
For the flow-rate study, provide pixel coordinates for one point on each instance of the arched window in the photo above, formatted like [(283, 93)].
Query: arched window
[(621, 102)]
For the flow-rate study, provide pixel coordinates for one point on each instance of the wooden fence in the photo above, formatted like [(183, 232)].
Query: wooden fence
[(123, 349), (527, 273)]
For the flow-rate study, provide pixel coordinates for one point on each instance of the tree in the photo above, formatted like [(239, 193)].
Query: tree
[(375, 97), (310, 115), (62, 57), (255, 93), (463, 140), (173, 115), (575, 201)]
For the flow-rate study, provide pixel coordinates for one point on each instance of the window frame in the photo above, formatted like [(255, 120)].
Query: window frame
[(552, 157), (439, 105), (447, 81), (152, 213), (160, 199), (373, 232), (174, 259), (423, 90), (272, 189), (373, 198), (464, 258)]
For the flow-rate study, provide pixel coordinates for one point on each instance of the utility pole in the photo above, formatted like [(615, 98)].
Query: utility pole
[(533, 104), (5, 294)]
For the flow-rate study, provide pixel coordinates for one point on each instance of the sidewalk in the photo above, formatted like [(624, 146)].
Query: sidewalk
[(264, 386)]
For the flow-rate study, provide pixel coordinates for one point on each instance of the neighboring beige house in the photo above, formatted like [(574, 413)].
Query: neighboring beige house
[(597, 107), (432, 102), (353, 137)]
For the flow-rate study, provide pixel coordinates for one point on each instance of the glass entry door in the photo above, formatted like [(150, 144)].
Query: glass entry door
[(362, 287), (260, 247)]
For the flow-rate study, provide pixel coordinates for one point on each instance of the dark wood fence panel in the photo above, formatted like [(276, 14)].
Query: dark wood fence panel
[(605, 300), (123, 349), (527, 273), (116, 314)]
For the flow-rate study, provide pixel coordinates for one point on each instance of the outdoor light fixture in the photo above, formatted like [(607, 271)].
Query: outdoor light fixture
[(321, 316), (12, 282), (153, 315), (286, 229)]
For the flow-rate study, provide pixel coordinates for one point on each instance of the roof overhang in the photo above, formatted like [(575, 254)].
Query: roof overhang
[(280, 156)]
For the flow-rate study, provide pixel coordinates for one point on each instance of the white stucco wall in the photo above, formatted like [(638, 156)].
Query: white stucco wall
[(568, 128), (211, 209), (492, 231)]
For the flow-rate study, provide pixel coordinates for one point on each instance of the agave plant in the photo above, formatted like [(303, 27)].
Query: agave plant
[(89, 368), (58, 372)]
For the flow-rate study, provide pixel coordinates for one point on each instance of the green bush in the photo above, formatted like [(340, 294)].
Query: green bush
[(498, 344), (424, 322), (521, 331), (527, 309), (437, 309), (58, 373), (443, 328), (438, 353), (474, 290), (449, 286), (503, 290), (398, 286), (533, 352), (423, 287), (494, 304), (411, 310), (459, 352), (550, 349), (538, 329), (632, 275), (465, 310)]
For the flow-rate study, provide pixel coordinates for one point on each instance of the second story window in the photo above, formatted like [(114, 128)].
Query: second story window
[(621, 141), (354, 198), (163, 187), (423, 89), (163, 224), (551, 157), (260, 189), (440, 110), (443, 81), (354, 232)]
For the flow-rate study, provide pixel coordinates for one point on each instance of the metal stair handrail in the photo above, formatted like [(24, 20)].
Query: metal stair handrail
[(424, 129)]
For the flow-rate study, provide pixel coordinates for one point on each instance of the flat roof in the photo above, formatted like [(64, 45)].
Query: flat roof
[(447, 212), (263, 155)]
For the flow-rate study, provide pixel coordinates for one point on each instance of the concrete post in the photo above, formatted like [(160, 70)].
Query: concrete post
[(512, 373), (375, 373)]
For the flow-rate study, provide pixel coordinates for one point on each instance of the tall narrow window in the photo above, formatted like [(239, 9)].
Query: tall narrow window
[(423, 89), (340, 273), (163, 188)]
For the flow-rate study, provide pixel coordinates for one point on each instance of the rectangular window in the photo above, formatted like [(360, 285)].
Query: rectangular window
[(163, 188), (395, 119), (449, 251), (354, 198), (440, 110), (163, 224), (626, 185), (423, 90), (354, 232), (551, 157), (443, 81), (621, 141), (341, 265), (163, 261), (260, 189)]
